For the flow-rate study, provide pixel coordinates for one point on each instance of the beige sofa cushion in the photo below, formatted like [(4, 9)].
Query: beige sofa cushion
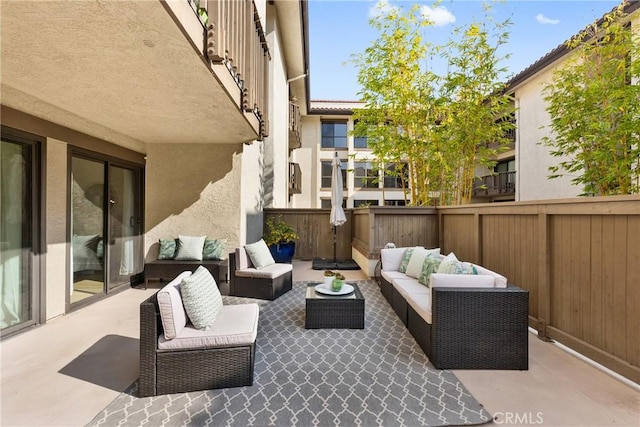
[(409, 286), (391, 258), (172, 313), (269, 272), (461, 280), (235, 325), (421, 303), (390, 275)]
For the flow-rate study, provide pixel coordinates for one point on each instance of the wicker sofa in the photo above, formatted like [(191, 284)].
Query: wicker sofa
[(460, 321), (223, 356)]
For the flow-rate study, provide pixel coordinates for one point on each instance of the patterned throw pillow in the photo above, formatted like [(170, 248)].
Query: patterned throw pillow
[(201, 298), (430, 266), (214, 249), (190, 248), (451, 265), (167, 248), (259, 254), (405, 260)]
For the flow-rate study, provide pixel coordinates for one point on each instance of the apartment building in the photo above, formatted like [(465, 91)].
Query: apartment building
[(125, 122), (326, 130)]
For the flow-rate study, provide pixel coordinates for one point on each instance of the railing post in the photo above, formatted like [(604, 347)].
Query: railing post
[(215, 40), (544, 274)]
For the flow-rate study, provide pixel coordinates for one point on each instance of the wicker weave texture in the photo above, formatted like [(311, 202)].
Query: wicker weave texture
[(338, 313), (175, 371), (261, 288)]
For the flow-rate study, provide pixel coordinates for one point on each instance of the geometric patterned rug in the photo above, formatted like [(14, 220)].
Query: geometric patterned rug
[(318, 377)]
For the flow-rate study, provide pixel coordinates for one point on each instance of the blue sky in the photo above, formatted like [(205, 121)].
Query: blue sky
[(339, 29)]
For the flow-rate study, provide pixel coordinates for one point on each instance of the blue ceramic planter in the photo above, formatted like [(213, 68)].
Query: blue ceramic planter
[(283, 252)]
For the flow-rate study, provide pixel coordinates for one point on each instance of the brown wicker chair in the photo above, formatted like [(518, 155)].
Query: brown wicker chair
[(256, 287), (178, 371)]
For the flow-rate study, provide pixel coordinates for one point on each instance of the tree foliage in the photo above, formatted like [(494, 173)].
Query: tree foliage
[(439, 126), (594, 103)]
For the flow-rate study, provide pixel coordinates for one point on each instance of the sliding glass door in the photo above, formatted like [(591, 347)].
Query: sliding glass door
[(106, 250), (17, 284)]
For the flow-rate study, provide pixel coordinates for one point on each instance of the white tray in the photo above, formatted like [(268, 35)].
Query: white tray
[(346, 289)]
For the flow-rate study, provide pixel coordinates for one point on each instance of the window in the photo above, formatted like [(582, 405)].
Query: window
[(326, 203), (334, 134), (364, 175), (365, 203), (360, 142), (393, 175), (326, 169), (395, 203)]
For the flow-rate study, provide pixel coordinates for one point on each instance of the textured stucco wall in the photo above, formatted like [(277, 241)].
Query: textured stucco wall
[(57, 263), (252, 192), (277, 143), (306, 157), (192, 189), (533, 159)]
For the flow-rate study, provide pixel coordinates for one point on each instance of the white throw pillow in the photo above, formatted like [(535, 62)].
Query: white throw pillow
[(259, 254), (451, 265), (414, 268), (190, 248), (201, 298), (172, 313)]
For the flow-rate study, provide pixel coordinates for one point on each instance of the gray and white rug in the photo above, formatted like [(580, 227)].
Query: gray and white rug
[(376, 376)]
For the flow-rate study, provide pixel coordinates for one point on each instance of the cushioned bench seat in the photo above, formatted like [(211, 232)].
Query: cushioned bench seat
[(235, 325)]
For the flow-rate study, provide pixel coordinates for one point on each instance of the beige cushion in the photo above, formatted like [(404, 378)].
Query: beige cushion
[(414, 268), (390, 275), (259, 254), (190, 248), (201, 298), (172, 313), (409, 286), (242, 259), (235, 325), (501, 281), (461, 280), (421, 303), (391, 258), (270, 272)]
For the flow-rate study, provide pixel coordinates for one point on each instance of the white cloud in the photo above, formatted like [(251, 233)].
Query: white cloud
[(381, 7), (544, 20), (439, 15)]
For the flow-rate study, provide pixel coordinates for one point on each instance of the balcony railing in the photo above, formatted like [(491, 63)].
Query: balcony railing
[(295, 140), (502, 183), (236, 39)]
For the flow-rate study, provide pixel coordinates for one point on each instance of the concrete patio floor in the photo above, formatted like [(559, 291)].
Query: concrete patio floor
[(64, 372)]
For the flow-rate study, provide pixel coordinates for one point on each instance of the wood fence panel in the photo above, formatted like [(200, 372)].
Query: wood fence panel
[(633, 291), (457, 230), (509, 247)]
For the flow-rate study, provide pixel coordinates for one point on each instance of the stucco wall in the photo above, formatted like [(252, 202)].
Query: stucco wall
[(252, 192), (192, 189), (306, 157), (277, 143), (57, 263), (533, 160)]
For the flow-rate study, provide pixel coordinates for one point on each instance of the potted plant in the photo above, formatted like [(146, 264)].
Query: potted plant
[(338, 283), (328, 278), (281, 239)]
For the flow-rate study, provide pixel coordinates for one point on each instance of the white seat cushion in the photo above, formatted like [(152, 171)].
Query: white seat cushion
[(392, 275), (409, 286), (172, 313), (421, 303), (501, 281), (235, 325), (269, 272), (461, 280)]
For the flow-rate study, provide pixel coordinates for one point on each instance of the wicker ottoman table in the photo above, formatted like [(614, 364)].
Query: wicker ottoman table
[(336, 312)]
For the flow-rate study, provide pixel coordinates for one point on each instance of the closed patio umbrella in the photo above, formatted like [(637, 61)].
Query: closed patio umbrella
[(337, 217)]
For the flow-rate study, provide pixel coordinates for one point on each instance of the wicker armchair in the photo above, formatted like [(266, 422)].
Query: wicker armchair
[(178, 371), (245, 281)]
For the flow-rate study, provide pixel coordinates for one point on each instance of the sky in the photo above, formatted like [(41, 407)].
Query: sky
[(339, 29)]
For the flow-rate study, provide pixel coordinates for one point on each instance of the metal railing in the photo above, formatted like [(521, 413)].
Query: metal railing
[(502, 183), (235, 38), (295, 140)]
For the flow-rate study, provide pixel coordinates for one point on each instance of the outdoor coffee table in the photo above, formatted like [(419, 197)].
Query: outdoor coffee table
[(336, 312)]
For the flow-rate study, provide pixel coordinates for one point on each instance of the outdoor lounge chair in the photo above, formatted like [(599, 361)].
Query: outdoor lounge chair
[(247, 281)]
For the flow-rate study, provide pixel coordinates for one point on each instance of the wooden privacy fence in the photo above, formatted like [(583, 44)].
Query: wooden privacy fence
[(579, 259), (374, 227), (315, 232)]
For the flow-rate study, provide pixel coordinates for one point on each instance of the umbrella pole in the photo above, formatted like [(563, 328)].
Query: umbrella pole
[(334, 244)]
